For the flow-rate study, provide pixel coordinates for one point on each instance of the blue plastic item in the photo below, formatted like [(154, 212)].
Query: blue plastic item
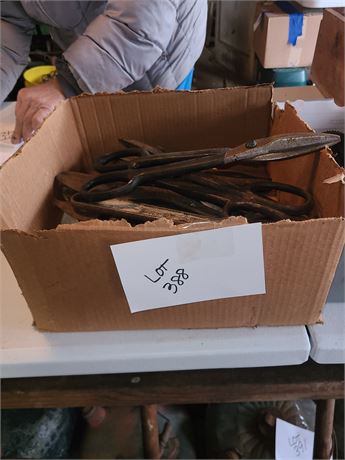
[(187, 82), (295, 21)]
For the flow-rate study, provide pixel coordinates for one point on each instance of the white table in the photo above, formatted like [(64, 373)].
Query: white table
[(7, 122), (328, 339)]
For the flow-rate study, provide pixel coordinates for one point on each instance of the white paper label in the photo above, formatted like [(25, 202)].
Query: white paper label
[(293, 442), (180, 269)]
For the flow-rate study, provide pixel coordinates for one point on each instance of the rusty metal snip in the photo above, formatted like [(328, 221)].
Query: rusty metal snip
[(142, 183)]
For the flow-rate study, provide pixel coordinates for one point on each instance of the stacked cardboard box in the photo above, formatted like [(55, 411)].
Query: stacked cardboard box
[(272, 32), (284, 40)]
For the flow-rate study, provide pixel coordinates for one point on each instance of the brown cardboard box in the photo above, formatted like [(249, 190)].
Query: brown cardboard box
[(67, 274), (327, 70), (293, 93), (271, 37)]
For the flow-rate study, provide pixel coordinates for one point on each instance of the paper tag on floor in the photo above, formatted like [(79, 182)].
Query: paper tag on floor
[(192, 267), (293, 442)]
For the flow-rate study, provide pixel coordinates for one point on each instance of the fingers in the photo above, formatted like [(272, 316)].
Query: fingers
[(26, 122), (39, 117), (33, 106), (29, 117), (33, 119), (22, 106), (17, 133)]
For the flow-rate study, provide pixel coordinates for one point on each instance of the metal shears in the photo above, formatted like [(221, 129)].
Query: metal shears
[(193, 182), (175, 164)]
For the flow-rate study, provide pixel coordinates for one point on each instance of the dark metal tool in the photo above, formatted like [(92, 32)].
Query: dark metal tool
[(144, 203), (263, 150), (244, 199), (142, 183)]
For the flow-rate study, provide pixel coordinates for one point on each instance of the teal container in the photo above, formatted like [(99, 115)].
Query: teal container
[(298, 76), (292, 76)]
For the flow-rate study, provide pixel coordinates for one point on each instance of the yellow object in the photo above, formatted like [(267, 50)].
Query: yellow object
[(39, 74)]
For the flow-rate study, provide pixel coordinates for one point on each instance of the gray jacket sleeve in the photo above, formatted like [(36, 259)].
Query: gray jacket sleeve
[(119, 46), (16, 33)]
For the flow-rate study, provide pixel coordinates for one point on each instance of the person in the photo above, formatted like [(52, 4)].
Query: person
[(106, 46)]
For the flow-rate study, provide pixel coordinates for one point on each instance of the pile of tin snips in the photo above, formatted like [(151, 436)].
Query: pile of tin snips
[(142, 183)]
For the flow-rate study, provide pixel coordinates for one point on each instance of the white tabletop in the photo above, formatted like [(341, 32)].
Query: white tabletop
[(26, 352), (328, 339), (321, 115), (7, 123)]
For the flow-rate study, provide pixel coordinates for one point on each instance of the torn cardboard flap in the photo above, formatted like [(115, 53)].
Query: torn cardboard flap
[(305, 171), (337, 178), (67, 273), (160, 224)]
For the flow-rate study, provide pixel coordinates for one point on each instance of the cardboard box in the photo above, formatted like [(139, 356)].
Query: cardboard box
[(294, 93), (327, 70), (271, 37), (67, 273)]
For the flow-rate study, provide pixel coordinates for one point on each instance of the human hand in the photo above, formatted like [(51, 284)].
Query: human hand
[(33, 106)]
